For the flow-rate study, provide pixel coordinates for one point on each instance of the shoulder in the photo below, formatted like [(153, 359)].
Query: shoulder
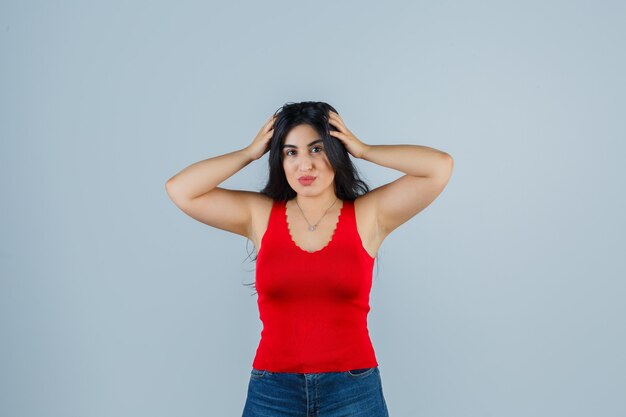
[(364, 207), (260, 204)]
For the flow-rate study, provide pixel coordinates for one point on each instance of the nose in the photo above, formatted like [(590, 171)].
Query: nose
[(305, 163)]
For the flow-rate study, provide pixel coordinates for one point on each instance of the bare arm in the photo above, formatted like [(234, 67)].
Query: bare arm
[(415, 160), (427, 172), (195, 189), (203, 176)]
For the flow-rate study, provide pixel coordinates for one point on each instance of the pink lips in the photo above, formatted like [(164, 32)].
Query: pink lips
[(306, 180)]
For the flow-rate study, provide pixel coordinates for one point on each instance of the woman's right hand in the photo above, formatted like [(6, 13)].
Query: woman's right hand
[(260, 144)]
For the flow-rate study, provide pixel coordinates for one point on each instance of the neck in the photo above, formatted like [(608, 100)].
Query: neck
[(316, 203)]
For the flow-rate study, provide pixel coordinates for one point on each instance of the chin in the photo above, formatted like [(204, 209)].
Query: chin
[(304, 190)]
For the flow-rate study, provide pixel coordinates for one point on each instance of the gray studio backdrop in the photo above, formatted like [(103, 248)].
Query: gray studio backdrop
[(505, 297)]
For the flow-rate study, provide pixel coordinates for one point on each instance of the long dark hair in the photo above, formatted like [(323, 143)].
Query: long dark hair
[(348, 184)]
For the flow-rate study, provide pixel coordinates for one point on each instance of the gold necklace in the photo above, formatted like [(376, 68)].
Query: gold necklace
[(313, 227)]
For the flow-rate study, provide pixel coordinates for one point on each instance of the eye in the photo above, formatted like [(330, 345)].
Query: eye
[(288, 152), (318, 147)]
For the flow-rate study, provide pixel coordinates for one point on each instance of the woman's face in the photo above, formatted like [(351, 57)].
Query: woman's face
[(306, 165)]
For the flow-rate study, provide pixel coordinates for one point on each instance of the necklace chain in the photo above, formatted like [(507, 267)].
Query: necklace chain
[(313, 227)]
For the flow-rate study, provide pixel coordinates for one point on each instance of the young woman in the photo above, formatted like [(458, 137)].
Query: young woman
[(316, 228)]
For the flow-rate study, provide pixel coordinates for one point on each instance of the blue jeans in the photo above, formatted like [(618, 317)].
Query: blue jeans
[(354, 393)]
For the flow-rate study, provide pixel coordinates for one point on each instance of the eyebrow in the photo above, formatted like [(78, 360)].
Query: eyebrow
[(294, 146)]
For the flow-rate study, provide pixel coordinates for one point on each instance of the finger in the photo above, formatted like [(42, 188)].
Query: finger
[(270, 120), (333, 114), (337, 124), (335, 119), (269, 124), (337, 135)]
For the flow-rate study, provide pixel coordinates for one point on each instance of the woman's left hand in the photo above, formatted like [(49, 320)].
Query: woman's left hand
[(354, 146)]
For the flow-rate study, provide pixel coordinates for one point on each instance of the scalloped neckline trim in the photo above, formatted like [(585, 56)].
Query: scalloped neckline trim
[(332, 237)]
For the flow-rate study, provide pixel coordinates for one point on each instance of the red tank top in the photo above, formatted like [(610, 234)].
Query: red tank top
[(313, 305)]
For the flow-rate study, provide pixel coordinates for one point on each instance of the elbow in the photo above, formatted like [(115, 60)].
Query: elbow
[(445, 168), (170, 187), (450, 161)]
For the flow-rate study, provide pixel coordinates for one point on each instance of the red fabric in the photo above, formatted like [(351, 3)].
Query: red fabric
[(313, 306)]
